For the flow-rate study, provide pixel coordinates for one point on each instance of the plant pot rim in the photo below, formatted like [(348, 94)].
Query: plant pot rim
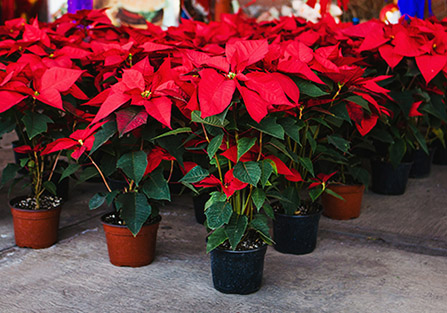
[(18, 198), (319, 212), (264, 246), (156, 221)]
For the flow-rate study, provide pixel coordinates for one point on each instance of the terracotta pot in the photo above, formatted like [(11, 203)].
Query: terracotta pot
[(35, 229), (127, 250), (343, 209)]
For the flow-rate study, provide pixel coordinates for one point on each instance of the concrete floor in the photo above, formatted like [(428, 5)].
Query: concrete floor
[(393, 258)]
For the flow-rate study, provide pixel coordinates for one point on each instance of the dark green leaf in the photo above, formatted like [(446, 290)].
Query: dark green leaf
[(172, 145), (315, 193), (270, 127), (71, 169), (156, 187), (214, 145), (309, 89), (339, 142), (9, 172), (312, 142), (218, 214), (258, 196), (35, 123), (50, 186), (360, 175), (244, 145), (266, 171), (397, 152), (260, 224), (215, 196), (24, 162), (87, 174), (420, 138), (211, 120), (195, 175), (334, 194), (268, 210), (7, 125), (135, 210), (133, 165), (111, 196), (235, 229), (247, 172), (360, 101), (105, 133), (174, 132), (96, 201), (216, 238), (340, 111), (281, 147), (307, 164), (291, 129)]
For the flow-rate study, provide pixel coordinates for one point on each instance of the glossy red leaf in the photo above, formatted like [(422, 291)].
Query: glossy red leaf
[(256, 106), (160, 109), (431, 65), (113, 102), (60, 79), (414, 109), (8, 99), (391, 58)]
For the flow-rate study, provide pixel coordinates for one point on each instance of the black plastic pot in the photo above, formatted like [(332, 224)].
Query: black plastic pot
[(421, 163), (387, 180), (440, 155), (296, 234), (237, 272), (199, 207)]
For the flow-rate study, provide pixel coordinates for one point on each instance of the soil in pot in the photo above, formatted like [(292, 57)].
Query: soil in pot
[(239, 271), (36, 229), (421, 163), (125, 249), (388, 180), (343, 209), (296, 234)]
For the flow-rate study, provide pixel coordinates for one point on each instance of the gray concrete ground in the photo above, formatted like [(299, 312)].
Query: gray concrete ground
[(391, 259)]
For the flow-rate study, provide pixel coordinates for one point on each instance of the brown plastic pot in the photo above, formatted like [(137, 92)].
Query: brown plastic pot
[(343, 209), (127, 250), (35, 229)]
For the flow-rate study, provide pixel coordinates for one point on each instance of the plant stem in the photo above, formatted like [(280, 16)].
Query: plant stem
[(100, 172), (54, 165)]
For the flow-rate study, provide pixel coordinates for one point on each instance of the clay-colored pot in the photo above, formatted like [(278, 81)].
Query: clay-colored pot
[(127, 250), (343, 209), (35, 229)]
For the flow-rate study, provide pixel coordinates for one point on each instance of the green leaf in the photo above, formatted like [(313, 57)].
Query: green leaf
[(309, 89), (156, 187), (174, 132), (360, 101), (244, 145), (135, 210), (87, 173), (420, 138), (266, 171), (133, 165), (111, 196), (96, 201), (291, 129), (258, 196), (340, 111), (216, 238), (35, 123), (397, 152), (214, 145), (269, 126), (360, 175), (7, 125), (50, 186), (235, 229), (269, 210), (211, 120), (260, 224), (105, 133), (281, 147), (71, 169), (312, 142), (215, 196), (315, 193), (334, 194), (173, 145), (24, 162), (218, 214), (307, 164), (248, 172), (195, 175), (339, 142), (9, 172)]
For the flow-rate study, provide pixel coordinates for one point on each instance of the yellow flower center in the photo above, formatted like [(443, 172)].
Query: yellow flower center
[(81, 142), (146, 94), (51, 55), (36, 93), (231, 75)]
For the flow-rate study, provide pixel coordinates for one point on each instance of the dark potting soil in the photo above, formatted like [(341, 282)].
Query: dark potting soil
[(114, 219), (307, 208), (47, 202), (251, 241)]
